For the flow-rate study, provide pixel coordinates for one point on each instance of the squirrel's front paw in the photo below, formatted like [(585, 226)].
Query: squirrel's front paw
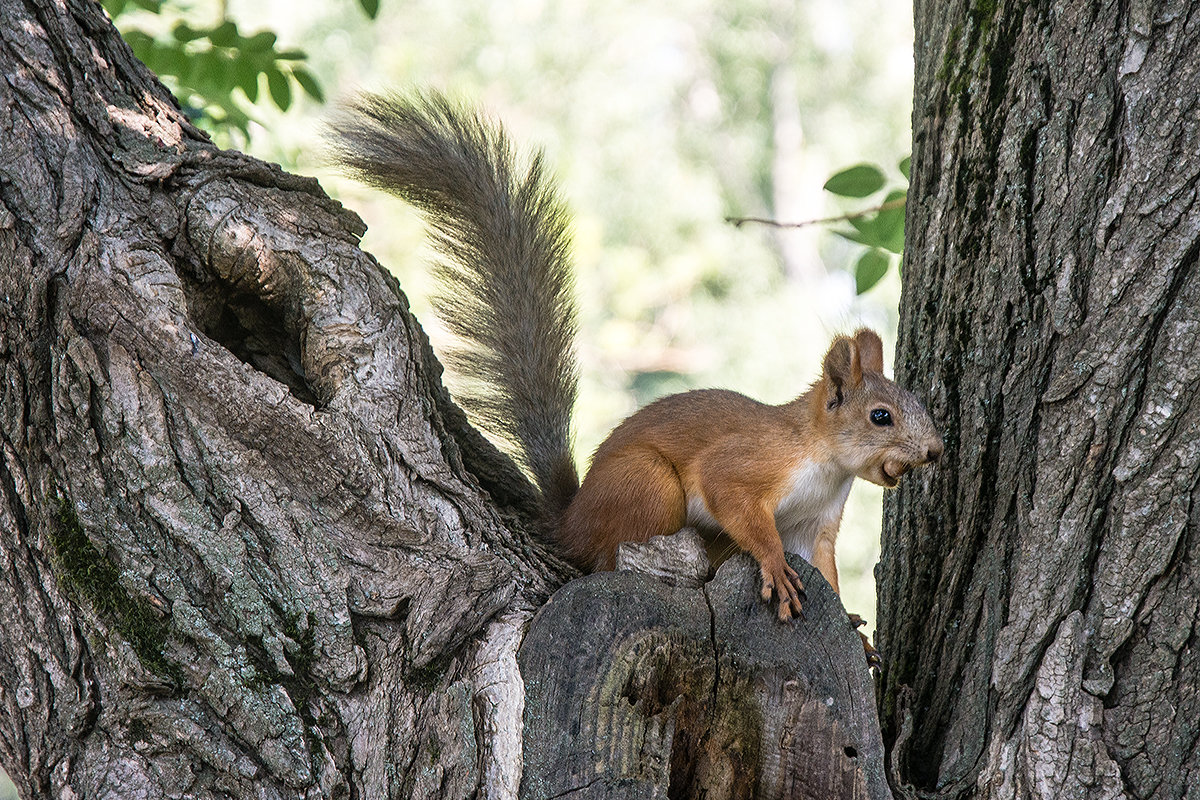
[(780, 579)]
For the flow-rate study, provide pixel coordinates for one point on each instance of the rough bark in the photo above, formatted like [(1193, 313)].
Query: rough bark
[(246, 546), (1038, 592)]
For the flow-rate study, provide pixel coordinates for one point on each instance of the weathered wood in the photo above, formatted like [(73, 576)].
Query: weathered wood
[(1038, 592), (637, 688), (245, 544), (248, 546), (678, 560)]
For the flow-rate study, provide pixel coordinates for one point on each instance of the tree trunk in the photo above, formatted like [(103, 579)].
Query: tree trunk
[(250, 548), (1038, 592), (247, 547)]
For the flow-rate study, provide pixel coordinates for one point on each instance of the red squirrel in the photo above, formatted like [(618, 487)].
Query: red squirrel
[(772, 478)]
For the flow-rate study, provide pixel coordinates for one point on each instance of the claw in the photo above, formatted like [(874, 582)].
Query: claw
[(874, 661), (873, 658), (781, 580)]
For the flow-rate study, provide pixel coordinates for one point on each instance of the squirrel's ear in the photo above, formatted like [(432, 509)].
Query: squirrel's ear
[(870, 350), (841, 369)]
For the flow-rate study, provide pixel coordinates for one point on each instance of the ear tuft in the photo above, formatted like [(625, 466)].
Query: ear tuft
[(842, 368), (870, 350)]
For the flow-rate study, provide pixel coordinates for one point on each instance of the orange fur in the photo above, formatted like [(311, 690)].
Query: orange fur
[(772, 479), (725, 463)]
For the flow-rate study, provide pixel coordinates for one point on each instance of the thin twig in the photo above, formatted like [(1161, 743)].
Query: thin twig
[(890, 204)]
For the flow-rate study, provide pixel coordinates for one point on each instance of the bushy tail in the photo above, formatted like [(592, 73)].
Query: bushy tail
[(505, 276)]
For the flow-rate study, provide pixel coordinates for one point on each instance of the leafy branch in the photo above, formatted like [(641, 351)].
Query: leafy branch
[(740, 221), (879, 228), (204, 64)]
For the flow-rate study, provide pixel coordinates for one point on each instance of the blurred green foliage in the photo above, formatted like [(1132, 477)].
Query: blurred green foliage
[(215, 70)]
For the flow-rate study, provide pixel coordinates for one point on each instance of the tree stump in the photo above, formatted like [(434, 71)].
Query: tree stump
[(644, 686)]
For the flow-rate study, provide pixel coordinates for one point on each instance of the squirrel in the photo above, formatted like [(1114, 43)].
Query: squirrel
[(773, 478)]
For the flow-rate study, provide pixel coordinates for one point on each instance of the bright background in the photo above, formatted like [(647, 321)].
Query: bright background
[(660, 120)]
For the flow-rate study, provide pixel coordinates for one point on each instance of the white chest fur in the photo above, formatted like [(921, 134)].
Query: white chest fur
[(815, 498)]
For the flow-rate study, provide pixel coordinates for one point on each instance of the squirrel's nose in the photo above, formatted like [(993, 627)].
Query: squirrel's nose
[(933, 451)]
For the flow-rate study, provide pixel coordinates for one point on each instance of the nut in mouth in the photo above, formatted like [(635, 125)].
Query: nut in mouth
[(891, 472)]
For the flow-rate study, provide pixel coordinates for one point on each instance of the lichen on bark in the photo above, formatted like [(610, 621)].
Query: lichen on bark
[(93, 579)]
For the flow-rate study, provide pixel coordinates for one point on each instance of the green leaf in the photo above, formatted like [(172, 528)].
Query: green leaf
[(186, 33), (226, 118), (114, 8), (871, 267), (260, 42), (140, 43), (171, 61), (291, 55), (211, 74), (246, 73), (309, 84), (906, 167), (370, 7), (892, 220), (883, 229), (857, 181), (280, 89), (153, 6), (225, 35)]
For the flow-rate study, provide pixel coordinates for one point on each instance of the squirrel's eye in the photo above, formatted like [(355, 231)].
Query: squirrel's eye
[(881, 417)]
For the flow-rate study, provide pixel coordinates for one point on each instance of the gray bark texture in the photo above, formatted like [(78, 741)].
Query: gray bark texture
[(245, 547), (250, 548), (1038, 592)]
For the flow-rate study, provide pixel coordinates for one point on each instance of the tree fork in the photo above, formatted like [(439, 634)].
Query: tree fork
[(249, 547), (227, 412)]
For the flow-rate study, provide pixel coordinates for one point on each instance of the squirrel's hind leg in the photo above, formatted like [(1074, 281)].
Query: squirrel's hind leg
[(627, 496)]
